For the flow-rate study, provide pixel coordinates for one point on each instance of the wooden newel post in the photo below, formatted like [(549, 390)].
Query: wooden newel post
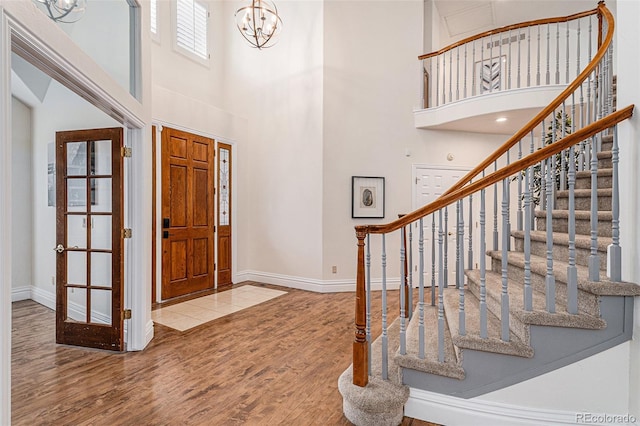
[(600, 5), (360, 347)]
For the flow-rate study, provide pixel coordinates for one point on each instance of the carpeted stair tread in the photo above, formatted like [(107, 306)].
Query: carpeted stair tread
[(604, 287), (539, 314), (560, 238), (450, 367), (579, 214), (471, 339)]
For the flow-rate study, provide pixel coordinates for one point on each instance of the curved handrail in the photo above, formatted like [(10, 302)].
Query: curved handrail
[(504, 172), (506, 28), (522, 133)]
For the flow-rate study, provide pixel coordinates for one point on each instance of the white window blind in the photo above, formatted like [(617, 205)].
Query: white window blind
[(191, 27), (154, 16)]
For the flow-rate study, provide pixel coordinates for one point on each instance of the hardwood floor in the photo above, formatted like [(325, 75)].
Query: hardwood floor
[(274, 363)]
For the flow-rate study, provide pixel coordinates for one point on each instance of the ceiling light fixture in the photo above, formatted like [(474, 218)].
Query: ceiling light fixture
[(259, 23), (67, 11), (501, 119)]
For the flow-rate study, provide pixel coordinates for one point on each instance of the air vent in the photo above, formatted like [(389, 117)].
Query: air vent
[(506, 40)]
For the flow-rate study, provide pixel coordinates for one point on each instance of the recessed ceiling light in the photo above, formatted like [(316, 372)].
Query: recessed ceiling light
[(501, 119)]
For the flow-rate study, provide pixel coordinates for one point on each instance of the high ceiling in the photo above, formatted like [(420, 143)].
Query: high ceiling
[(462, 18)]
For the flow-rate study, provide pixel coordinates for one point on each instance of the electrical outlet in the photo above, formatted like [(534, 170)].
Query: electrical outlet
[(334, 269)]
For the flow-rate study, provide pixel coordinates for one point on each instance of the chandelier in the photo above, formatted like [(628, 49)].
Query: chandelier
[(259, 23), (66, 11)]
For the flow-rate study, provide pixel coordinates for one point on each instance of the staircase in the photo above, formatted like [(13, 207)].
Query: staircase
[(481, 335)]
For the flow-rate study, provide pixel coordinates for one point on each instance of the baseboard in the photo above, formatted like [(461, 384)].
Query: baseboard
[(452, 411), (43, 297), (20, 293), (311, 284)]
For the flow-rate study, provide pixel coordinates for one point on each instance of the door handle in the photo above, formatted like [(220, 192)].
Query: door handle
[(165, 234), (59, 248), (450, 233), (165, 222)]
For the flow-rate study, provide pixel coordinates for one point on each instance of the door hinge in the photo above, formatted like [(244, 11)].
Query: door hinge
[(126, 233), (125, 151), (126, 314)]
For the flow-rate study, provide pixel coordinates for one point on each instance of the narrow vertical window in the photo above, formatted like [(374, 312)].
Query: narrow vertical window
[(154, 17)]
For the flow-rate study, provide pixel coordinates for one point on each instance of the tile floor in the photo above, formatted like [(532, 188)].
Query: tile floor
[(192, 313)]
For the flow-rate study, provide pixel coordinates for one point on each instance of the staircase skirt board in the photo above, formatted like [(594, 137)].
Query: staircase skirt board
[(555, 347)]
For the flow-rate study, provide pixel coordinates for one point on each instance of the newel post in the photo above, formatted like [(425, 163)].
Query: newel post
[(360, 348), (600, 5)]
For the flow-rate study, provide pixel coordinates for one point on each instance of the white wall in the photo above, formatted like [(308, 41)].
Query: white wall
[(628, 66), (22, 202), (371, 85), (280, 91)]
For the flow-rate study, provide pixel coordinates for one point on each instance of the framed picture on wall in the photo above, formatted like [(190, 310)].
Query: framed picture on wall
[(490, 74), (367, 197)]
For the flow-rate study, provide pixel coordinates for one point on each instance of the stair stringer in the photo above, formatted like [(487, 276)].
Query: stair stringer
[(554, 347)]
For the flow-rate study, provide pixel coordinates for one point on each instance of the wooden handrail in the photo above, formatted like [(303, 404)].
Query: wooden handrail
[(509, 28), (506, 171)]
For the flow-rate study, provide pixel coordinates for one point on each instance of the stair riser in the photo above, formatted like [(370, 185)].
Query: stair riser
[(585, 182), (561, 252), (607, 145), (583, 227), (583, 203), (493, 305), (605, 163), (587, 302)]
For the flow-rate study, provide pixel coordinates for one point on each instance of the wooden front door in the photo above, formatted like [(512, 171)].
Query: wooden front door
[(187, 213), (224, 214), (89, 264)]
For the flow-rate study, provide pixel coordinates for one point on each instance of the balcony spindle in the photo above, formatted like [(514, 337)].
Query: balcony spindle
[(458, 73), (538, 64), (421, 292), (557, 53), (529, 57), (504, 317), (481, 89), (615, 251), (547, 74), (567, 80), (464, 87), (440, 291), (473, 61), (403, 295), (450, 76), (437, 91), (550, 281), (519, 51), (483, 266), (444, 80), (368, 266), (385, 337), (509, 63)]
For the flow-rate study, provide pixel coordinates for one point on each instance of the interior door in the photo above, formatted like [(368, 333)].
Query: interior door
[(89, 212), (224, 215), (187, 213), (431, 183)]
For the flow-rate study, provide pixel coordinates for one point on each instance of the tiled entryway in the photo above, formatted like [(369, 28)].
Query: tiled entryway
[(192, 313)]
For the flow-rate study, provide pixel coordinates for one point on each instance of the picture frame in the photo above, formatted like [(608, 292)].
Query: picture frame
[(489, 74), (367, 197)]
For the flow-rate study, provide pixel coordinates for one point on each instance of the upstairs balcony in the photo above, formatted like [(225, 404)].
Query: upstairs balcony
[(496, 81)]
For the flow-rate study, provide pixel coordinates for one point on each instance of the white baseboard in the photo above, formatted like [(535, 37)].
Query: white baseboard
[(20, 293), (452, 411), (43, 297), (311, 284)]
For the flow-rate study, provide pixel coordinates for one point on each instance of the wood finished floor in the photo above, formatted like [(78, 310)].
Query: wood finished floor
[(274, 363)]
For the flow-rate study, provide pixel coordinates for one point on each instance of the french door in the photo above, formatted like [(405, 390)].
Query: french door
[(89, 214)]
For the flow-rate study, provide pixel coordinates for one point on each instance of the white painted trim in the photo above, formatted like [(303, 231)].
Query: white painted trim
[(5, 220), (452, 411), (312, 284), (43, 297), (20, 293)]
